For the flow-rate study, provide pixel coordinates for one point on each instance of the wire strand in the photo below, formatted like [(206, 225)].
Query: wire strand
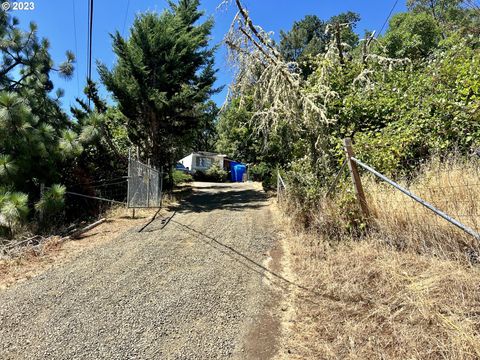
[(388, 17), (125, 18), (90, 41), (76, 44), (88, 36)]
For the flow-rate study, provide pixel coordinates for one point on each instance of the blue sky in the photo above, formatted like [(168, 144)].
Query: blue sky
[(57, 20)]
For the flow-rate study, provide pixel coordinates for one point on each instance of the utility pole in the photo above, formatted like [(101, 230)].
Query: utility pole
[(90, 37)]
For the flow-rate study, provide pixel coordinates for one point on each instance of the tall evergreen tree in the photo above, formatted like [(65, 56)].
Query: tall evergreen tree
[(37, 139), (205, 136), (163, 77), (35, 134), (308, 38)]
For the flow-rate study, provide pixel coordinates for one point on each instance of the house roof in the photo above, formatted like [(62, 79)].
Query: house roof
[(206, 153)]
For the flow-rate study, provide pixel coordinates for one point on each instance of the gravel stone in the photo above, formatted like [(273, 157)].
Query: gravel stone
[(184, 288)]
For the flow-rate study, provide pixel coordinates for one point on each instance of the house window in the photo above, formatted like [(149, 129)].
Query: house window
[(203, 162)]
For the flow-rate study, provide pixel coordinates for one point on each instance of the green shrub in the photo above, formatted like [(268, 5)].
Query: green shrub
[(13, 211), (261, 171), (215, 174), (180, 177), (265, 173), (50, 207), (200, 175)]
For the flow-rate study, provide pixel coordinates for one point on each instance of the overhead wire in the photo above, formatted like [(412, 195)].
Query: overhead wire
[(125, 18), (472, 5), (388, 17), (76, 44), (91, 37)]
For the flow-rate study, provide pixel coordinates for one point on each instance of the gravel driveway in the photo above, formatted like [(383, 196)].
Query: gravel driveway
[(190, 286)]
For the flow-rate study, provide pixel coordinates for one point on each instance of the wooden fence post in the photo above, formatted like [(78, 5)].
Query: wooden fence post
[(357, 182)]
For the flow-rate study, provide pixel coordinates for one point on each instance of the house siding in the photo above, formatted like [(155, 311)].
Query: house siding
[(202, 162)]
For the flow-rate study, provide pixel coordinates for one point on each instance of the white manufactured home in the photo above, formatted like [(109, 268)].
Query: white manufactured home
[(203, 161)]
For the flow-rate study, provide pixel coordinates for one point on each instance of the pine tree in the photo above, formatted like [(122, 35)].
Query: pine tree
[(32, 123), (309, 37), (36, 136)]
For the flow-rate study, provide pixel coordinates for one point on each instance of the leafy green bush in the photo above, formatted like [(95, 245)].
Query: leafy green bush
[(215, 174), (269, 180), (259, 172), (265, 173), (51, 206), (180, 177), (433, 110), (13, 211)]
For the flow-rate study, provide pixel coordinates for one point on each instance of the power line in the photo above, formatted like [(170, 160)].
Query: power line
[(90, 40), (472, 5), (76, 46), (388, 17), (125, 19)]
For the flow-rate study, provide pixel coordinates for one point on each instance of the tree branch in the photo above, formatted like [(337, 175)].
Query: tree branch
[(254, 30)]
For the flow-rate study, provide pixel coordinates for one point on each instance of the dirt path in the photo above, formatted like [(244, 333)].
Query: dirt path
[(191, 286)]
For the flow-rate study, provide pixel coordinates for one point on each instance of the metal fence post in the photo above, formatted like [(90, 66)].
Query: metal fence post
[(357, 182), (278, 186), (129, 181), (161, 186), (149, 174)]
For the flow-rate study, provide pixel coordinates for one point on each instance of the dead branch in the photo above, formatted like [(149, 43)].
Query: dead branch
[(277, 88), (254, 30)]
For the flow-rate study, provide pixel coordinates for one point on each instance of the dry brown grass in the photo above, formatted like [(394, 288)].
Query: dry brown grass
[(453, 187), (369, 301), (406, 290)]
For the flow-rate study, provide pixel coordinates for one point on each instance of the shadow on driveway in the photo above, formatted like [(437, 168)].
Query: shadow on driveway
[(233, 200)]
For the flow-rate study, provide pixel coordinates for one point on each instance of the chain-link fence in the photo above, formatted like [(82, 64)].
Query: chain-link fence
[(144, 185)]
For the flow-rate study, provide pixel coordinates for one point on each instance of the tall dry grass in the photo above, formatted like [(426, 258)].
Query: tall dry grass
[(404, 287), (452, 186), (368, 301)]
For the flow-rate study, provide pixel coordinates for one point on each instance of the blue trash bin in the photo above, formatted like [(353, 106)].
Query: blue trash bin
[(238, 171)]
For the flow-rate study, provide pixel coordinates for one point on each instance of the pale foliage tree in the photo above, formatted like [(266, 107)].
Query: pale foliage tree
[(280, 94), (278, 90)]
